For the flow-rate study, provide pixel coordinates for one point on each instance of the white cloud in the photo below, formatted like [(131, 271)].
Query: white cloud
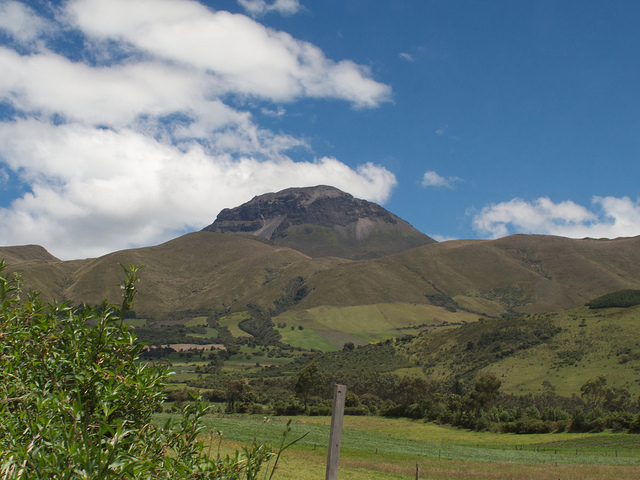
[(260, 7), (277, 113), (116, 96), (611, 217), (432, 179), (407, 57), (136, 152), (239, 54), (442, 238), (95, 190), (21, 22)]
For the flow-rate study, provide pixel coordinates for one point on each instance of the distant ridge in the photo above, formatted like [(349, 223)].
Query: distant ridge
[(321, 221), (25, 253), (205, 272)]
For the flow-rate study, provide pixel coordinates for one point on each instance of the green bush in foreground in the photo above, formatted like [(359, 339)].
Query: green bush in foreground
[(76, 403)]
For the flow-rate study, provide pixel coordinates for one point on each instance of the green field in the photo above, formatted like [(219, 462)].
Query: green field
[(374, 447), (329, 328), (231, 322), (196, 321)]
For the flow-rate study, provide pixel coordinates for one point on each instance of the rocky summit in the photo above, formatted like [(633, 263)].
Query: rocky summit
[(321, 221)]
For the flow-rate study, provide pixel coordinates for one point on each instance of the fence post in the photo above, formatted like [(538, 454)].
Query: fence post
[(335, 436)]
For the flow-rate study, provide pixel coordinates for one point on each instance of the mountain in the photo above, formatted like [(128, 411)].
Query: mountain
[(321, 221), (253, 262), (198, 273), (206, 271)]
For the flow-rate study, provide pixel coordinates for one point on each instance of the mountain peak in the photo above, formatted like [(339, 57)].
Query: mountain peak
[(321, 221)]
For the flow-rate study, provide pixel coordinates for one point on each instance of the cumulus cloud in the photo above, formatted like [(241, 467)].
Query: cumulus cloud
[(134, 151), (22, 23), (260, 7), (609, 217), (238, 54), (432, 179), (96, 190)]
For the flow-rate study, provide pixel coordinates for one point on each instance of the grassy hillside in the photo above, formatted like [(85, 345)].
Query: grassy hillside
[(564, 348), (329, 328), (26, 253), (198, 273), (203, 272)]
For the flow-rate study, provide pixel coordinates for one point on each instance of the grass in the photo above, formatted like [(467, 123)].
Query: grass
[(604, 342), (586, 343), (136, 322), (374, 447), (308, 339), (210, 333), (231, 322), (328, 328), (196, 321)]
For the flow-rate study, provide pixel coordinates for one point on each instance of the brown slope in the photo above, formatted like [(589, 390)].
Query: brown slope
[(39, 270), (528, 273), (207, 271), (198, 273), (22, 253)]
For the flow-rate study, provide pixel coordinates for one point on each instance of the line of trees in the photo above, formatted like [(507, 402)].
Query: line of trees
[(478, 405)]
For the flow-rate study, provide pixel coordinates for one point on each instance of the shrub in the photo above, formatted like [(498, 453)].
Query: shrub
[(359, 410), (76, 402), (621, 298), (320, 410), (527, 426)]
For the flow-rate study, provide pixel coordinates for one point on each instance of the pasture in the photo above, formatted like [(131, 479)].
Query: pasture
[(380, 448), (328, 328)]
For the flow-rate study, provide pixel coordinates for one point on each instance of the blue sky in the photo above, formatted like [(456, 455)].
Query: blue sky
[(126, 123)]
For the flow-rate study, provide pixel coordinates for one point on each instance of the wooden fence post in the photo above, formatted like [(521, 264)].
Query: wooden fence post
[(335, 436)]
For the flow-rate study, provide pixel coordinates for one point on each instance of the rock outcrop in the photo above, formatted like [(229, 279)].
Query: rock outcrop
[(321, 221)]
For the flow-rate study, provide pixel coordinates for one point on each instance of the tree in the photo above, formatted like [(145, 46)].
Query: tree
[(307, 382), (485, 390), (595, 392), (237, 389), (76, 402)]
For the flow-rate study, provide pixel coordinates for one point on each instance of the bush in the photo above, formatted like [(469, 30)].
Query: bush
[(76, 402), (621, 298), (320, 410), (528, 426), (359, 410)]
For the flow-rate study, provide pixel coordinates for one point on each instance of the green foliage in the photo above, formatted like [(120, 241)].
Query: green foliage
[(442, 300), (467, 350), (260, 325), (293, 293), (307, 381), (621, 298), (75, 402)]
